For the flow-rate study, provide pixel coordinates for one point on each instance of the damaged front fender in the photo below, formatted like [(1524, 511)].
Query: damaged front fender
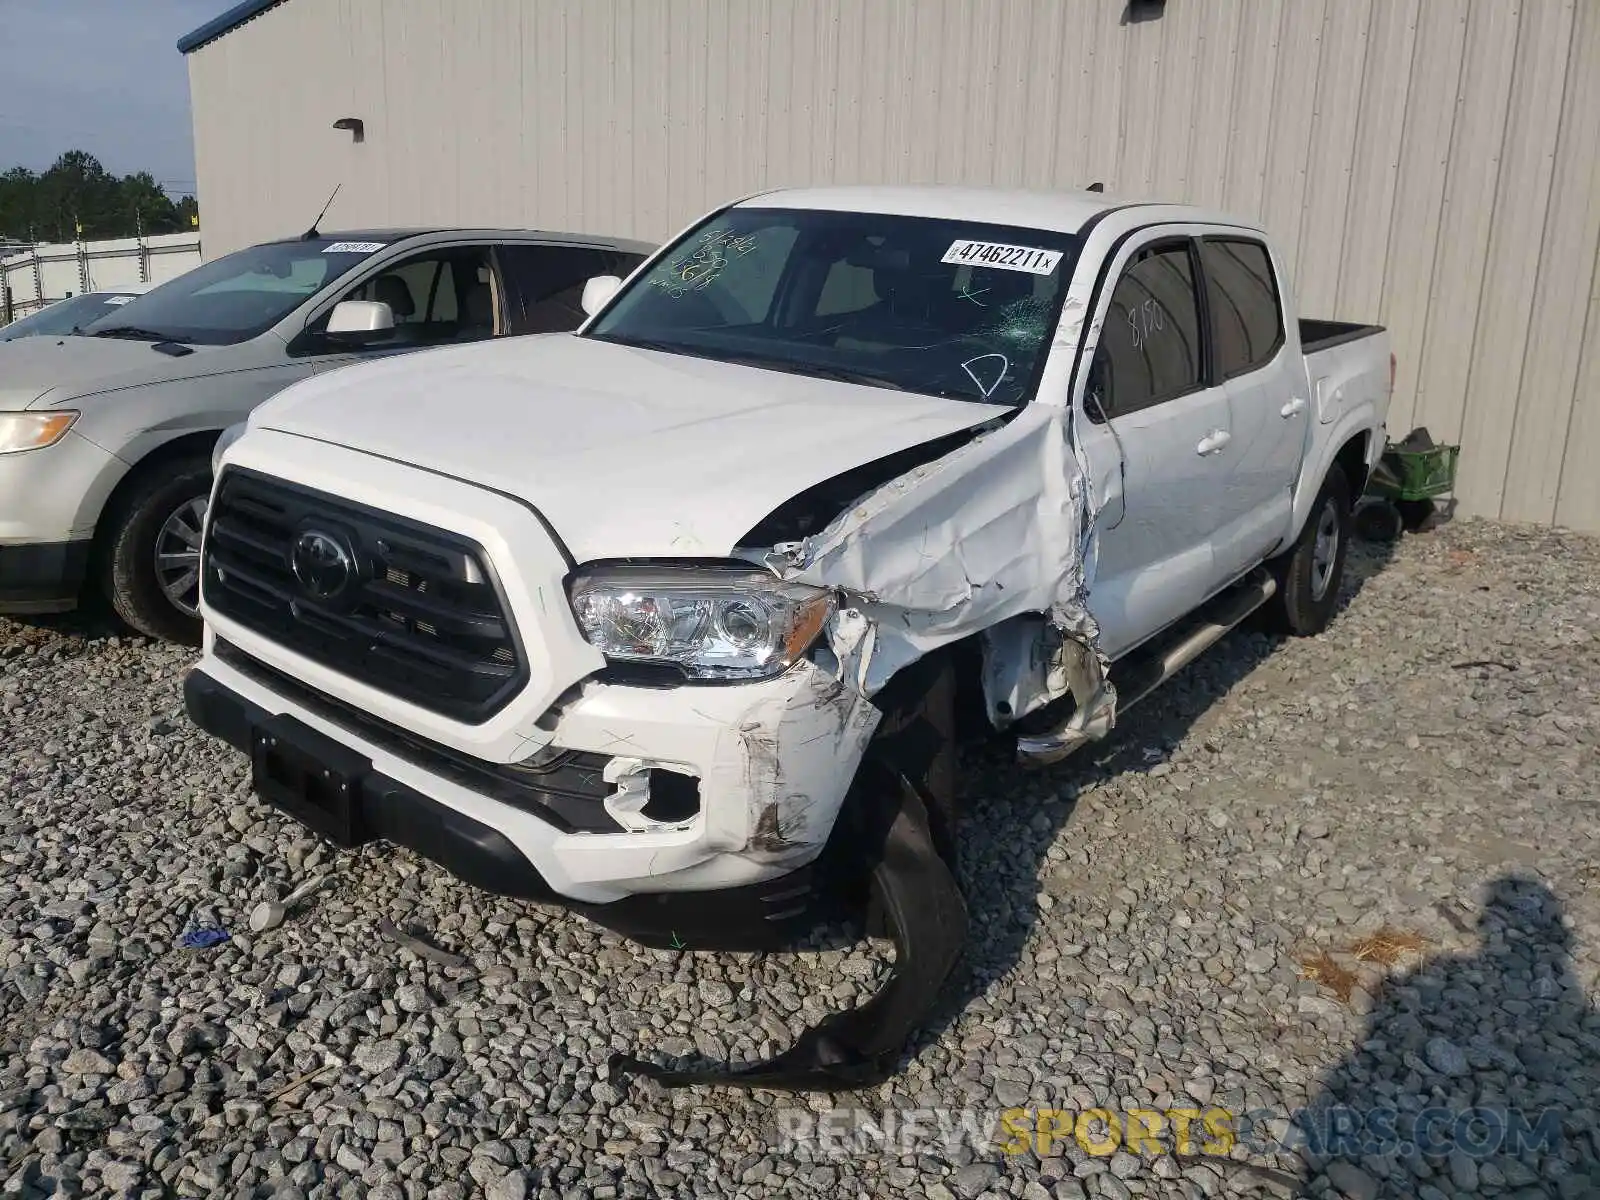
[(996, 538)]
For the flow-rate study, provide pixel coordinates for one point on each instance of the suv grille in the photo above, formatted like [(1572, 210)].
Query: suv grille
[(404, 607)]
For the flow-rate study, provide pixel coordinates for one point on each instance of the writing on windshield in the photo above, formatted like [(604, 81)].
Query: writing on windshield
[(944, 307)]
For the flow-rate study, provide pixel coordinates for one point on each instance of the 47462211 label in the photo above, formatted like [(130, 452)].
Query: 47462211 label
[(1006, 258)]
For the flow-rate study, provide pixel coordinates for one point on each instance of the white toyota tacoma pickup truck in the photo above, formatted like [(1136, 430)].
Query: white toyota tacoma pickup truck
[(666, 620)]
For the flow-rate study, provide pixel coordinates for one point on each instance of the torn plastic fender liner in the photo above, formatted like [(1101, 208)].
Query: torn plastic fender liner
[(862, 1046)]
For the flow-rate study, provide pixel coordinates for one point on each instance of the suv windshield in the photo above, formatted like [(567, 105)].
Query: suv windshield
[(64, 316), (949, 308), (236, 297)]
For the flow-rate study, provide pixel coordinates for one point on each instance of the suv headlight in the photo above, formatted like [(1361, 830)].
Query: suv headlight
[(712, 623), (21, 431)]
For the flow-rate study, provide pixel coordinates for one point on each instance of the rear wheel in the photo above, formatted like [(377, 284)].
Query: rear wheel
[(1310, 574), (152, 551)]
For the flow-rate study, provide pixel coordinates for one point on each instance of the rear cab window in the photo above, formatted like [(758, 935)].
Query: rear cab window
[(1242, 299)]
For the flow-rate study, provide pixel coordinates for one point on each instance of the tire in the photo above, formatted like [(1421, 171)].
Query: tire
[(162, 505), (1415, 514), (1310, 573), (1379, 522)]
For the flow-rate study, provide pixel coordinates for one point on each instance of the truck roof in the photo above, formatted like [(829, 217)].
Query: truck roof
[(1062, 211)]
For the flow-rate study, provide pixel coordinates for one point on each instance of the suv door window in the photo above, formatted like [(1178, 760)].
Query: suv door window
[(546, 283), (438, 297), (1242, 297), (1150, 347)]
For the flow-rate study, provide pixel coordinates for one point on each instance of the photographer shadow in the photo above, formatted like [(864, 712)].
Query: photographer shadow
[(1477, 1072), (1006, 840)]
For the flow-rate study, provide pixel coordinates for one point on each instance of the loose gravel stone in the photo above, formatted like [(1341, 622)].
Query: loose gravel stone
[(1445, 1057), (1191, 915)]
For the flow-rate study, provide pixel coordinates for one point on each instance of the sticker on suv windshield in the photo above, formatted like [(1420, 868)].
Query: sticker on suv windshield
[(119, 299), (353, 247), (1006, 258)]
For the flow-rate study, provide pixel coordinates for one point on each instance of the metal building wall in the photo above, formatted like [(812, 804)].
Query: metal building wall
[(1431, 164)]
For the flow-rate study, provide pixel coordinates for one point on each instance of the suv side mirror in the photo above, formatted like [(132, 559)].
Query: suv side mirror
[(598, 291), (359, 322)]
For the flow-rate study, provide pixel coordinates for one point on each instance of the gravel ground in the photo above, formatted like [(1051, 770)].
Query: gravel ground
[(1353, 867)]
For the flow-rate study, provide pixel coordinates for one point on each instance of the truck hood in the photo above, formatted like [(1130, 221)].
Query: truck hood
[(49, 371), (626, 452)]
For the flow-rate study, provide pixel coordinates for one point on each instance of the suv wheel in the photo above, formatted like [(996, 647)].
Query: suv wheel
[(152, 563)]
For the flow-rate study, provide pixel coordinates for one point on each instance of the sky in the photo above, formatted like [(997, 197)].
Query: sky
[(103, 76)]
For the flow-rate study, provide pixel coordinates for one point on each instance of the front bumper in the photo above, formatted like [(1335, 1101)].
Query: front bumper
[(56, 494), (50, 500), (771, 762), (42, 577)]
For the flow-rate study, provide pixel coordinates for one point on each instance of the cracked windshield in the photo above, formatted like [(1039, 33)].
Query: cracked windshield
[(949, 308)]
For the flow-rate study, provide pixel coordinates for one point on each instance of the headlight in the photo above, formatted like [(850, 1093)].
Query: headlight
[(21, 431), (713, 624), (226, 438)]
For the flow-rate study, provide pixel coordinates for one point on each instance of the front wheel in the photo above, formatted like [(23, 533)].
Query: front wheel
[(1310, 573), (152, 552)]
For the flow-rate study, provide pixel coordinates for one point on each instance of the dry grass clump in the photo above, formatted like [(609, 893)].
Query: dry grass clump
[(1388, 947)]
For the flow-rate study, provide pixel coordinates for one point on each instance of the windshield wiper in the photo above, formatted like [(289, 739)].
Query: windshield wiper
[(765, 362), (134, 332), (816, 370), (647, 344)]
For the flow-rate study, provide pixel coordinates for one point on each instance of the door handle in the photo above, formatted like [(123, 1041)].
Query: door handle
[(1213, 441), (1294, 408)]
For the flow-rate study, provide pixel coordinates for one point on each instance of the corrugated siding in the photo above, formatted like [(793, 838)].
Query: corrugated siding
[(1430, 164)]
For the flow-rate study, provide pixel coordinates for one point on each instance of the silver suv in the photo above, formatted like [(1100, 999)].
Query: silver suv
[(106, 434)]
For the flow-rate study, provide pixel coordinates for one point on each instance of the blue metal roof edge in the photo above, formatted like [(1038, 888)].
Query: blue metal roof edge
[(217, 26)]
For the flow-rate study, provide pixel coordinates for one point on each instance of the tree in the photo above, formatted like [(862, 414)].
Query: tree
[(145, 206), (19, 197), (79, 198)]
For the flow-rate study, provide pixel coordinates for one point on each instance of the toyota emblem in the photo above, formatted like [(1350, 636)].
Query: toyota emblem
[(323, 564)]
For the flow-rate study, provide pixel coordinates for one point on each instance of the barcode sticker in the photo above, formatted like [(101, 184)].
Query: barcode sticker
[(353, 247), (118, 299), (1006, 258)]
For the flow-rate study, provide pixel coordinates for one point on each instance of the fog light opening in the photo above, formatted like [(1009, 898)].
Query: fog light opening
[(674, 796)]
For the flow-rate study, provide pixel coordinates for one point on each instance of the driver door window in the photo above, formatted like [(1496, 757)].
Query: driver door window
[(1150, 350), (439, 297)]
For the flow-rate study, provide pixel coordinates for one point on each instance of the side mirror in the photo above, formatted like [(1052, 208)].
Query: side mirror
[(358, 322), (597, 292)]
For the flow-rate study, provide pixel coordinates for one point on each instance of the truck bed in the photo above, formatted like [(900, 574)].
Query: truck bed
[(1322, 335)]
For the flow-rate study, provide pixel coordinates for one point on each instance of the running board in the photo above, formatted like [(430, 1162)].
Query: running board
[(1147, 668)]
